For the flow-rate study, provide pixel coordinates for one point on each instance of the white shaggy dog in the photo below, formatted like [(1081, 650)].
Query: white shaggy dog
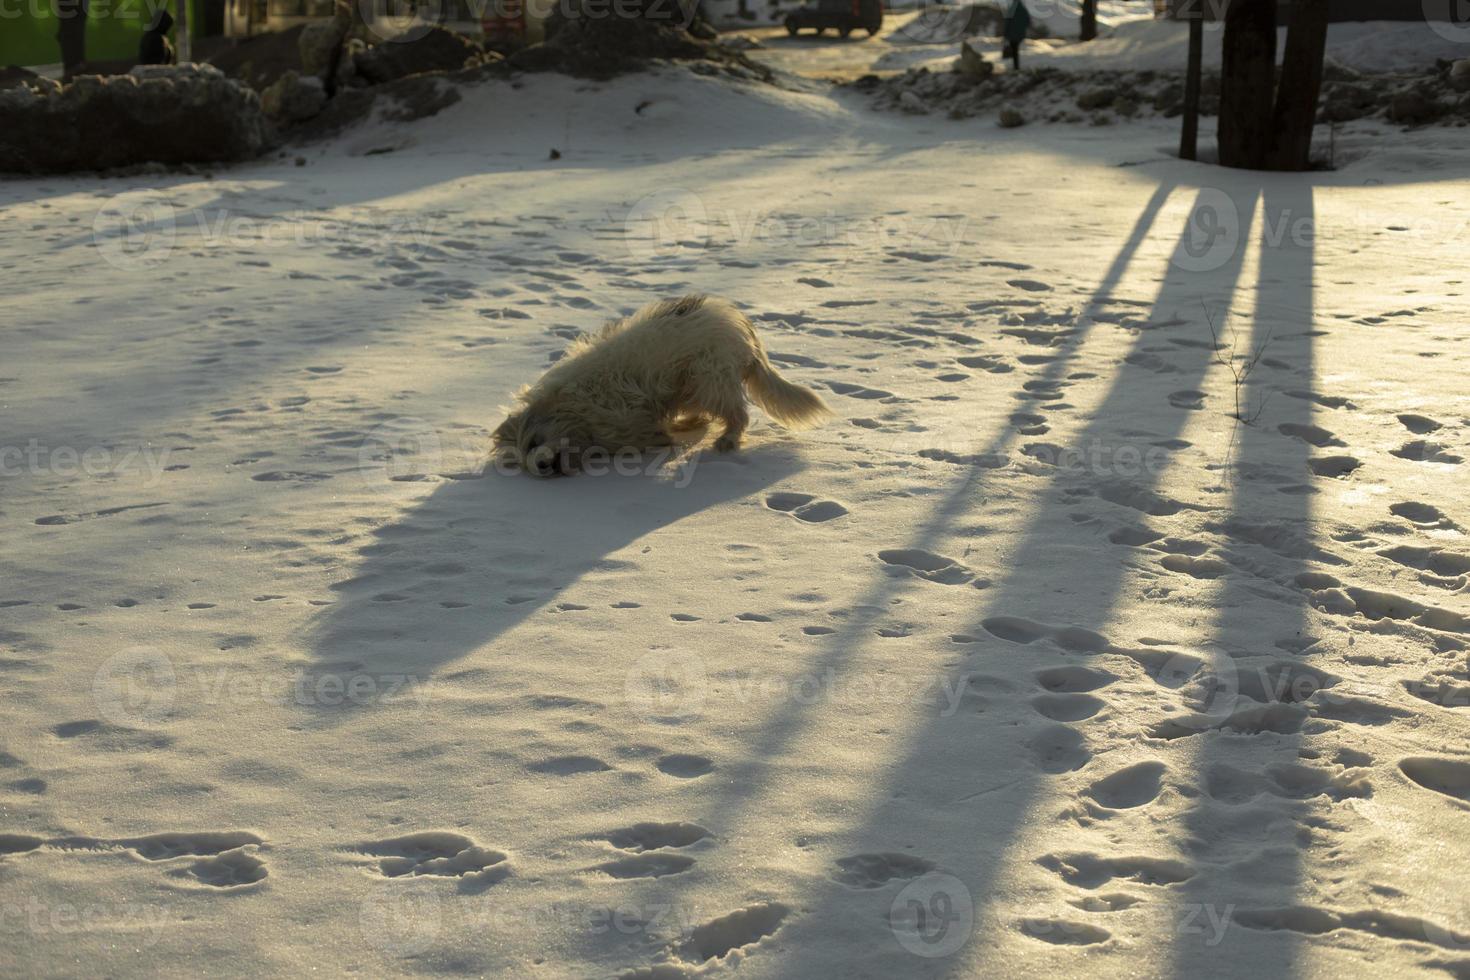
[(671, 367)]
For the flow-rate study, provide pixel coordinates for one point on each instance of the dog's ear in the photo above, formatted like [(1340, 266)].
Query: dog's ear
[(509, 430)]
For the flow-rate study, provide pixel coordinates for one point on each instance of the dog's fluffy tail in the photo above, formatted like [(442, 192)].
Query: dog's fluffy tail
[(792, 405)]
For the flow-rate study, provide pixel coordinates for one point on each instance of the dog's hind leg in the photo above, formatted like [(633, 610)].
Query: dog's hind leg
[(736, 418), (717, 391)]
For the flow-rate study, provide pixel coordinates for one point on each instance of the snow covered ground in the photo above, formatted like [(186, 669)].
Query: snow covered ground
[(1034, 661)]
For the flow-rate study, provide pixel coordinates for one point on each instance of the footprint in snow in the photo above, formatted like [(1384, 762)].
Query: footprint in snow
[(1057, 749), (1074, 679), (437, 853), (985, 362), (653, 865), (1029, 423), (569, 765), (858, 391), (1419, 424), (1018, 629), (652, 835), (1450, 777), (876, 870), (1129, 787), (1421, 514), (225, 858), (232, 869), (746, 926), (1312, 434), (806, 507), (916, 256), (1326, 401), (683, 765), (1091, 871), (290, 476), (1441, 568), (1188, 399), (1421, 451), (1333, 467), (1201, 568), (1067, 707), (928, 566), (1060, 932)]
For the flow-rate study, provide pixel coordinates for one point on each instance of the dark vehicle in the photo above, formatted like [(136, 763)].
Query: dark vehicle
[(844, 16)]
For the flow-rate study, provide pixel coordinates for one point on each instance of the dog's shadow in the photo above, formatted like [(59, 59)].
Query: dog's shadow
[(480, 555)]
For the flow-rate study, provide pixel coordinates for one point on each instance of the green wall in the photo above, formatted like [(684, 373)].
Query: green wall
[(28, 29)]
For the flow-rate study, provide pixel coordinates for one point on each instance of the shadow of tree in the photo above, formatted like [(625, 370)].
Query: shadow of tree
[(1254, 857), (1019, 619)]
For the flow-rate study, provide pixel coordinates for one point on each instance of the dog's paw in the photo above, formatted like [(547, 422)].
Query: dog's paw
[(725, 444)]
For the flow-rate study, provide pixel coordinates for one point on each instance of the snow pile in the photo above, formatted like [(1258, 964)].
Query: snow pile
[(421, 51), (1102, 96), (155, 114), (1043, 94), (604, 46)]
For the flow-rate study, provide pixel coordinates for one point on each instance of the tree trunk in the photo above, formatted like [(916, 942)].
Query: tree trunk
[(1247, 83), (1189, 134), (1301, 84), (1089, 20), (71, 34)]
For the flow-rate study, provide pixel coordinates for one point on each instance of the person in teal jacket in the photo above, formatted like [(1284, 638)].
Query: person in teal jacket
[(1017, 20)]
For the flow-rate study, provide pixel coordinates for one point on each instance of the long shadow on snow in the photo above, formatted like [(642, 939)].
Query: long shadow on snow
[(843, 649), (1020, 618), (1246, 831)]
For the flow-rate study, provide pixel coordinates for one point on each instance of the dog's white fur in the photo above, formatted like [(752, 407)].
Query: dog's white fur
[(671, 367)]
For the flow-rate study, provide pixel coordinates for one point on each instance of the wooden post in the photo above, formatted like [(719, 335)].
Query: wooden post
[(1189, 135)]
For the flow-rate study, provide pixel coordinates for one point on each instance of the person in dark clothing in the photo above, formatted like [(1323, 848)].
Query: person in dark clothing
[(1017, 20), (71, 34), (155, 48)]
